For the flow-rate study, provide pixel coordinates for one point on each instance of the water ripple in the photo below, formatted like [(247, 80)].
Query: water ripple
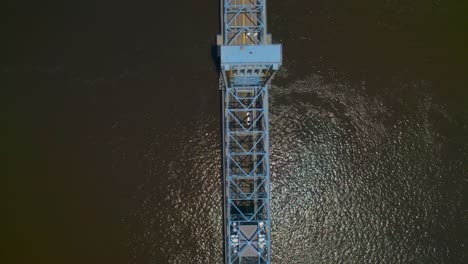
[(353, 180)]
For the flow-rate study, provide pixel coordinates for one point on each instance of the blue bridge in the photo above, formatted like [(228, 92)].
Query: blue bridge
[(249, 61)]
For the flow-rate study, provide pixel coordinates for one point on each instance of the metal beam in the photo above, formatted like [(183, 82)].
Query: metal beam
[(248, 63)]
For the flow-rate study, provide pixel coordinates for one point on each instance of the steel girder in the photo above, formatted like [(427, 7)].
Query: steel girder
[(244, 22), (248, 63), (246, 169)]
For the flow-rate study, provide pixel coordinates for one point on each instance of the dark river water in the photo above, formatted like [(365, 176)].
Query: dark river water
[(111, 132)]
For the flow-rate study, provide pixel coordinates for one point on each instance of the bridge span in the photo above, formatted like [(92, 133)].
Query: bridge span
[(249, 61)]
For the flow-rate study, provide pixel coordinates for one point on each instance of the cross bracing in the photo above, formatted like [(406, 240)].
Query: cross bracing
[(248, 63), (247, 174), (244, 22)]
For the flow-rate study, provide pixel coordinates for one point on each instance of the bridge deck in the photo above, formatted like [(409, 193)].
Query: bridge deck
[(248, 64)]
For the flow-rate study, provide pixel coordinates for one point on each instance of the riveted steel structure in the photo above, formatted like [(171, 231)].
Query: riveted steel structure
[(248, 63)]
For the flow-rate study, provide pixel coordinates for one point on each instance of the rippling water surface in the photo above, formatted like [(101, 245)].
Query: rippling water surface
[(352, 179), (113, 132)]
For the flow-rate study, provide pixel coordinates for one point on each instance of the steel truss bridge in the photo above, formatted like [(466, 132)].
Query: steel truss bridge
[(248, 63)]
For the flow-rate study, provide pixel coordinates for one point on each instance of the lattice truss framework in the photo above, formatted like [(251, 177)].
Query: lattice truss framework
[(244, 22), (245, 127), (249, 74), (247, 171)]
